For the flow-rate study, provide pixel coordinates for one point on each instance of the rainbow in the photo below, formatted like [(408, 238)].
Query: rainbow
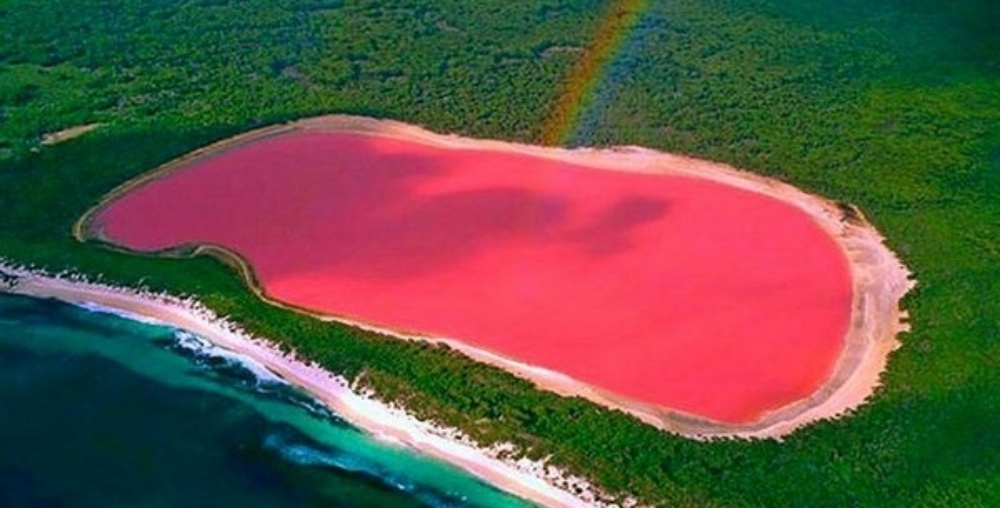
[(615, 25)]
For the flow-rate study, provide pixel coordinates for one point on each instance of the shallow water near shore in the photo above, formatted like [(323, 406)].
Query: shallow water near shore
[(103, 411)]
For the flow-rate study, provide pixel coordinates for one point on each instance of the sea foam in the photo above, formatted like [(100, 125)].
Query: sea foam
[(200, 347), (131, 316)]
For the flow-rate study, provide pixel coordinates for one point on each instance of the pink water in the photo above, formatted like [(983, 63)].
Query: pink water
[(675, 291)]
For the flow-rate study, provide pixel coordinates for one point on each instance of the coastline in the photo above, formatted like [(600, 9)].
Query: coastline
[(879, 279), (533, 481)]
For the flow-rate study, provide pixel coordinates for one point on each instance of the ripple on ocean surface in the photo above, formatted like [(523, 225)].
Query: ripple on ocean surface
[(145, 411)]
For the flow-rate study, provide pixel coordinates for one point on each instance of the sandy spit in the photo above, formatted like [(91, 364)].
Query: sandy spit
[(53, 138), (531, 480)]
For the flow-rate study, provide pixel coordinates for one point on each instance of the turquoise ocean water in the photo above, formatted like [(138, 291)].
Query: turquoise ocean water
[(101, 411)]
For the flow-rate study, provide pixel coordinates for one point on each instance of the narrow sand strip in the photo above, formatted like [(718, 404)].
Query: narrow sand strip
[(879, 279), (533, 481), (53, 138)]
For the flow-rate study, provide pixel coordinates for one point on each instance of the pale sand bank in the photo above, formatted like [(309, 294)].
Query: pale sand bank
[(67, 134)]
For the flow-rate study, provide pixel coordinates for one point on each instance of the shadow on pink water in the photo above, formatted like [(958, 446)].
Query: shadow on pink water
[(676, 291)]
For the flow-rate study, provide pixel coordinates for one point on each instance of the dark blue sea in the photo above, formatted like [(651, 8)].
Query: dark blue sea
[(102, 411)]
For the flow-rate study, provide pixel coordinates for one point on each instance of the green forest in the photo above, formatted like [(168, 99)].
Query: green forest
[(893, 106)]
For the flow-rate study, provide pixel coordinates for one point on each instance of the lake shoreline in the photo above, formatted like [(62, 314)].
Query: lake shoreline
[(879, 279)]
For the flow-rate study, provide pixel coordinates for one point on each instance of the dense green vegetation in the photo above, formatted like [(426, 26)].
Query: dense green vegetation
[(893, 106)]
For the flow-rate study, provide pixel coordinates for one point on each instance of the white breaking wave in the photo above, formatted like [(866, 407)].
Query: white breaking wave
[(100, 309), (203, 348), (306, 455)]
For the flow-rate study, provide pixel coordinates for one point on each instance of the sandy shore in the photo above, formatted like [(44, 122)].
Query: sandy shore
[(879, 279), (534, 481)]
